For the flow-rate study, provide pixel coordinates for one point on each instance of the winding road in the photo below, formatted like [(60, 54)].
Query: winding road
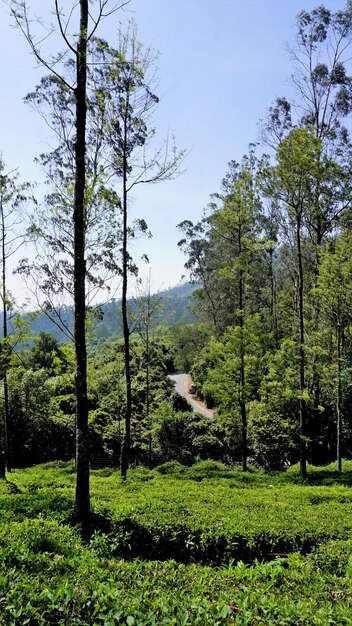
[(181, 384)]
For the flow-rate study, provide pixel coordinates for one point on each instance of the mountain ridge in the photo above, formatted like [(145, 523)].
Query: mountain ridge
[(106, 318)]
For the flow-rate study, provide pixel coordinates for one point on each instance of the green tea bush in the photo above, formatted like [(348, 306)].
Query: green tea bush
[(269, 552), (206, 469), (93, 591), (170, 467), (219, 519)]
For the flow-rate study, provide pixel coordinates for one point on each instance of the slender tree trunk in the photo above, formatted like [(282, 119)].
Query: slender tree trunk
[(338, 402), (147, 393), (126, 443), (82, 435), (273, 305), (5, 453), (243, 413), (243, 406), (303, 408), (315, 421)]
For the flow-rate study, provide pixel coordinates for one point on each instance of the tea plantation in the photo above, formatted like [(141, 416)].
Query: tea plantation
[(175, 546)]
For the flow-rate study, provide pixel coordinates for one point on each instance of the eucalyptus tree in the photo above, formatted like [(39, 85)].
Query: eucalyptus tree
[(322, 88), (304, 175), (334, 291), (292, 183), (51, 272), (321, 102), (201, 262), (127, 76), (210, 253), (145, 311), (235, 227), (75, 38), (233, 374), (12, 199)]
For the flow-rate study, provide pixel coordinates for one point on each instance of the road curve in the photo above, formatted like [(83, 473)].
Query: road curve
[(181, 384)]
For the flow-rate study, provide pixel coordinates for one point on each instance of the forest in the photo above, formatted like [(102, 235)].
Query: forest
[(120, 504)]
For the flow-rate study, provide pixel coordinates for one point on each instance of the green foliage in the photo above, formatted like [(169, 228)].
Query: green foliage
[(188, 340), (206, 469), (218, 370), (47, 354), (39, 430), (187, 437), (272, 417), (170, 467), (49, 576)]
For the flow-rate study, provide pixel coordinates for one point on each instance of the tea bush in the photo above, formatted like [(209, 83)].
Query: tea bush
[(256, 549)]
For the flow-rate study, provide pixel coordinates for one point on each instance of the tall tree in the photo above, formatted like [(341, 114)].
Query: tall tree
[(76, 46), (234, 225), (201, 262), (321, 101), (12, 198), (334, 291), (292, 183), (147, 308), (322, 88), (127, 79)]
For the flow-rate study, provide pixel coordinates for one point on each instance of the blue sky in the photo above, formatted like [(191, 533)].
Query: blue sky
[(221, 64)]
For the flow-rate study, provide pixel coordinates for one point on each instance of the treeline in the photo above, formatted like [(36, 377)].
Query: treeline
[(271, 350), (105, 320), (41, 404), (273, 253)]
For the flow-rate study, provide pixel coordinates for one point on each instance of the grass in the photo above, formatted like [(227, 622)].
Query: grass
[(205, 546)]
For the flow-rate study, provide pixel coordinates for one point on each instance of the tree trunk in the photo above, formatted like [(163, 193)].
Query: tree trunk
[(5, 457), (126, 443), (315, 418), (148, 420), (273, 304), (82, 436), (338, 402), (5, 460), (302, 402), (242, 369)]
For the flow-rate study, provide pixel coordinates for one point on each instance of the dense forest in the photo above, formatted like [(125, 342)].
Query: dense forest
[(273, 256)]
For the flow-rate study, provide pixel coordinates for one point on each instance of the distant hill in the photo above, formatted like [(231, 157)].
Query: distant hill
[(173, 308), (106, 318)]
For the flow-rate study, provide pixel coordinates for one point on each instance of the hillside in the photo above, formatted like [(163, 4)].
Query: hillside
[(173, 308)]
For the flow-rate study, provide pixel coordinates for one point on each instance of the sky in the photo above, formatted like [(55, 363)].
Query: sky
[(221, 64)]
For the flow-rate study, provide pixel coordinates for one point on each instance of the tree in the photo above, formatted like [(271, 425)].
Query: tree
[(234, 224), (46, 354), (202, 260), (187, 341), (333, 289), (233, 376), (321, 102), (52, 269), (292, 183), (127, 79), (12, 198), (145, 311), (322, 88), (273, 410), (77, 47)]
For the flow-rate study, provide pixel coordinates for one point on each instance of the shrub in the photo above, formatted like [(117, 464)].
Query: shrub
[(170, 467)]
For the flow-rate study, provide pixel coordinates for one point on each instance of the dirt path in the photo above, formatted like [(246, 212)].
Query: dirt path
[(182, 383)]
